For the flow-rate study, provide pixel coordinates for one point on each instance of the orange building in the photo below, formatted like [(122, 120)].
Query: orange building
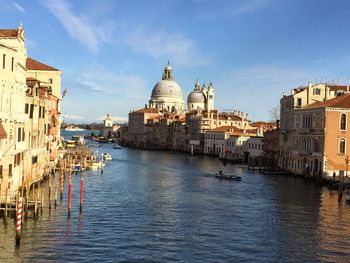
[(321, 138)]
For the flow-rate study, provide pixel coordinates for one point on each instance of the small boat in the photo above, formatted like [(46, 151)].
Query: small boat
[(97, 165), (107, 157), (116, 146), (347, 194), (223, 176)]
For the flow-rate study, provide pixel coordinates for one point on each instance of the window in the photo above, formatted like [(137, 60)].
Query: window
[(50, 81), (34, 159), (26, 108), (3, 61), (343, 122), (12, 63), (342, 146), (19, 135), (299, 102), (0, 171), (10, 169), (31, 111)]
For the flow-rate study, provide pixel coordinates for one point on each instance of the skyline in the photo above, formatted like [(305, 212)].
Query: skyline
[(112, 53)]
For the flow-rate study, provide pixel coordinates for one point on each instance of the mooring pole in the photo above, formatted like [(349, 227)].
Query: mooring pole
[(81, 193), (69, 188), (19, 221), (62, 178)]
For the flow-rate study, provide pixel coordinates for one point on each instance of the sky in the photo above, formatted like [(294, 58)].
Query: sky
[(113, 52)]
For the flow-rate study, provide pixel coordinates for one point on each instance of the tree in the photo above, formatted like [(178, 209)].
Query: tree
[(274, 113)]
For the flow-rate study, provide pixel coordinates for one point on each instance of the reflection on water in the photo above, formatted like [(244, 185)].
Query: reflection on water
[(159, 206)]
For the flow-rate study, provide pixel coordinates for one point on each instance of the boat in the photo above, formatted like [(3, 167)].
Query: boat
[(223, 176), (97, 165), (95, 145), (116, 146), (107, 157), (73, 128), (347, 194)]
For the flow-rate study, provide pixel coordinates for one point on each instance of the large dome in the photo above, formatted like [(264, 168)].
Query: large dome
[(196, 97), (167, 94), (166, 88)]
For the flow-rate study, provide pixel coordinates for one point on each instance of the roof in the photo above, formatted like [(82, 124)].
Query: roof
[(33, 64), (3, 134), (342, 101), (8, 32), (225, 129), (148, 110)]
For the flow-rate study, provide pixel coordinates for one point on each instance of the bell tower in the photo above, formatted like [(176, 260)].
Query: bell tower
[(210, 97)]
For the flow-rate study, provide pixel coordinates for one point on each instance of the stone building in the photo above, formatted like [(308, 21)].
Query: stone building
[(29, 112), (167, 94), (13, 57), (201, 99), (312, 139)]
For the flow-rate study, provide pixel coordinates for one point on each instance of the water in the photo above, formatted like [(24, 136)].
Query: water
[(163, 207)]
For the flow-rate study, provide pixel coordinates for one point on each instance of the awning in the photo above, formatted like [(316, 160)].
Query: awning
[(3, 134)]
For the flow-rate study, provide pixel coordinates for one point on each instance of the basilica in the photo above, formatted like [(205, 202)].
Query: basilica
[(167, 95)]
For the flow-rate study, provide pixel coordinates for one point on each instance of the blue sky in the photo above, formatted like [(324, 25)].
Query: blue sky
[(112, 53)]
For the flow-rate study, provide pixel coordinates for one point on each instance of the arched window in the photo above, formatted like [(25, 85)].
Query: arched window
[(342, 146), (343, 121)]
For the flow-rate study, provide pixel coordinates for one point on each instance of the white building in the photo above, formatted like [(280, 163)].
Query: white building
[(234, 146), (13, 57), (167, 94), (201, 99)]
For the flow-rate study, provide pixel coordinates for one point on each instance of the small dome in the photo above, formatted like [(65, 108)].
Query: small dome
[(166, 88), (196, 97)]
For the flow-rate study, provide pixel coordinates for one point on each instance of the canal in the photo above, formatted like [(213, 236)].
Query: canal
[(152, 206)]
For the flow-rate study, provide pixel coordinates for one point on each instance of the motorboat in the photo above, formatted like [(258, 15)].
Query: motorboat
[(347, 194), (116, 146), (223, 176), (97, 165), (95, 145), (107, 157)]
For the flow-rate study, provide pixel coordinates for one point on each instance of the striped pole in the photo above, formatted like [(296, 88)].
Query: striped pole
[(62, 178), (69, 188), (19, 221), (81, 193)]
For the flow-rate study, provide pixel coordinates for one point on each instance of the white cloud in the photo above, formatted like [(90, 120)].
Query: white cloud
[(116, 119), (18, 7), (99, 79), (78, 26), (239, 88), (165, 46), (72, 117), (229, 8)]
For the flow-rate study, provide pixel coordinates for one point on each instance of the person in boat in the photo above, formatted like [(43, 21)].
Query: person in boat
[(220, 172)]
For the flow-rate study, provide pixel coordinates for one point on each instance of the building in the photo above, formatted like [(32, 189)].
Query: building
[(300, 97), (29, 114), (13, 69), (167, 94), (271, 148), (201, 99), (311, 126)]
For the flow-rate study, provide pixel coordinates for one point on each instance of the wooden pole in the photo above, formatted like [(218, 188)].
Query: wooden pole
[(81, 193), (41, 200), (19, 221), (6, 197), (63, 164), (35, 194), (69, 189), (14, 217), (49, 191)]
